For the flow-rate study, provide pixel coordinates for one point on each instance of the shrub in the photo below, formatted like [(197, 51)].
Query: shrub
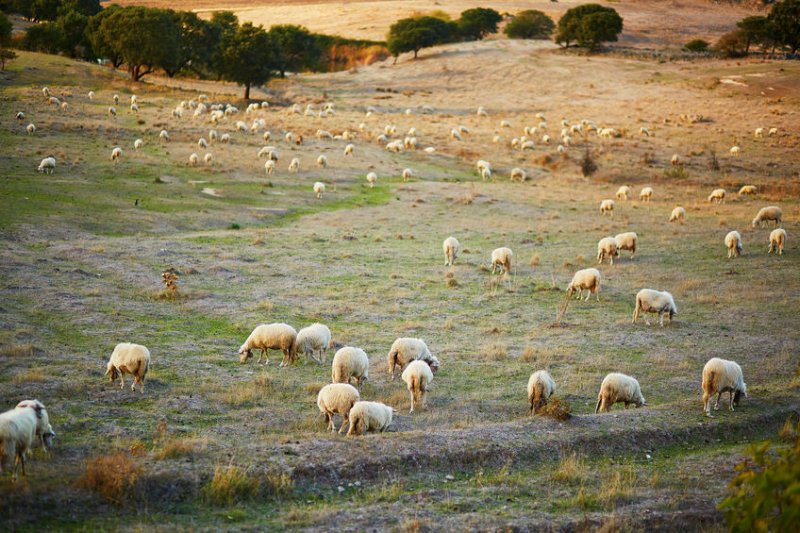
[(697, 46), (231, 484), (588, 25), (114, 477), (732, 44), (475, 24), (588, 166), (530, 24)]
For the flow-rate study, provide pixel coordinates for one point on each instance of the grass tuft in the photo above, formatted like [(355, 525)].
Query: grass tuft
[(114, 477), (231, 484)]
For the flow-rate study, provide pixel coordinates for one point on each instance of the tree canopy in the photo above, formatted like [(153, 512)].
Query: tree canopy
[(530, 24), (297, 48), (604, 24), (414, 34), (247, 56), (784, 24), (475, 24)]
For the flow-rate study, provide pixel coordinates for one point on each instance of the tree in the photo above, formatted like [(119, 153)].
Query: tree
[(530, 24), (697, 46), (754, 30), (474, 24), (247, 57), (784, 24), (197, 43), (24, 8), (414, 34), (44, 37), (298, 48), (71, 27), (5, 40), (571, 27), (99, 40), (44, 9), (731, 44), (599, 27)]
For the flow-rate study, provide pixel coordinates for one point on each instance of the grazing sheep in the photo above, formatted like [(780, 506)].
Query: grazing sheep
[(644, 131), (417, 377), (350, 363), (482, 165), (486, 173), (653, 301), (759, 133), (348, 150), (451, 248), (269, 166), (134, 108), (606, 247), (607, 206), (194, 159), (623, 192), (116, 154), (540, 387), (202, 143), (129, 358), (371, 179), (369, 416), (116, 99), (313, 341), (294, 166), (163, 136), (482, 112), (748, 189), (772, 131), (319, 188), (733, 241), (407, 174), (777, 238), (617, 388), (337, 398), (768, 213), (407, 349), (517, 174), (589, 279), (112, 111), (675, 160), (322, 161), (30, 128), (501, 257), (721, 375), (209, 159), (225, 138), (678, 214), (735, 151), (277, 336), (20, 116), (646, 194), (54, 101), (267, 136), (48, 165), (137, 144), (213, 136), (20, 429), (627, 241), (717, 195)]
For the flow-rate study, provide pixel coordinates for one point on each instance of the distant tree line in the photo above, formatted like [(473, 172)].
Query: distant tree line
[(778, 31)]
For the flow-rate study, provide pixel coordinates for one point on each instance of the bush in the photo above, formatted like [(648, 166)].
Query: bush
[(588, 25), (231, 484), (696, 45), (530, 24), (732, 44), (588, 166), (475, 24), (114, 477)]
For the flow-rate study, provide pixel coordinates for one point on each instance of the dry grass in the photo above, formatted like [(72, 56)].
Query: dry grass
[(556, 409), (572, 470), (17, 350), (231, 484), (494, 351), (32, 375), (114, 477)]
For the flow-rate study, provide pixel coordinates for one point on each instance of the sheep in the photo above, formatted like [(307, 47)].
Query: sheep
[(194, 159), (20, 116), (623, 192), (501, 257), (270, 151), (644, 131), (371, 179), (129, 358), (137, 144), (540, 387), (112, 111), (517, 174), (323, 134), (675, 160), (717, 195), (269, 166), (46, 91), (209, 159), (116, 99), (348, 150), (777, 238), (267, 136), (607, 206), (721, 375), (430, 150), (241, 125), (177, 112), (747, 189), (54, 101), (134, 108), (455, 134), (772, 131), (486, 173), (606, 247), (163, 136), (313, 341), (225, 138), (319, 189), (735, 151), (410, 143), (677, 215), (395, 147), (482, 112), (276, 336), (48, 165), (653, 301), (20, 429), (451, 248), (369, 416), (482, 165), (407, 349), (733, 241), (350, 363), (294, 166), (417, 377), (646, 194), (561, 149), (545, 139), (30, 128), (617, 388), (768, 213), (202, 143), (337, 398), (116, 154), (759, 133), (213, 136), (589, 279), (322, 161), (627, 241)]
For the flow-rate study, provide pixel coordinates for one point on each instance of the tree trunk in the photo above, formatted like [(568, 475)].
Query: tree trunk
[(247, 91), (134, 72), (415, 52)]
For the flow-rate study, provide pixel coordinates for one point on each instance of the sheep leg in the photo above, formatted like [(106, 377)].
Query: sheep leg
[(424, 395), (411, 392), (716, 404), (345, 423), (661, 319), (121, 381), (597, 294), (646, 320), (730, 400), (329, 419)]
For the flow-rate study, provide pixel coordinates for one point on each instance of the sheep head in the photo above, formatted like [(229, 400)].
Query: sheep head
[(244, 354), (111, 371)]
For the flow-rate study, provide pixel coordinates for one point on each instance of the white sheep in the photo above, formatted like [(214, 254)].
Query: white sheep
[(213, 135), (194, 159), (607, 207), (90, 94), (116, 99), (294, 166), (129, 358), (747, 189), (313, 341), (455, 134), (350, 363), (225, 138), (395, 146), (163, 136), (735, 151), (116, 154), (627, 241), (482, 112), (30, 128), (348, 150), (20, 429), (772, 131), (677, 215), (407, 174), (644, 131), (337, 398), (720, 375), (322, 161), (772, 212), (501, 257), (407, 349), (54, 101), (777, 239), (371, 179), (606, 247), (417, 377), (451, 248), (277, 336), (134, 108), (269, 166), (623, 192), (759, 133), (733, 242), (138, 144), (486, 173), (369, 416), (202, 143), (20, 116), (675, 160), (653, 301), (112, 111), (517, 174), (617, 388), (589, 279), (240, 125), (209, 159), (540, 387), (717, 195), (48, 165), (267, 136), (646, 194), (319, 189)]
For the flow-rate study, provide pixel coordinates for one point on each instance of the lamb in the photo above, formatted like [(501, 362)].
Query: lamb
[(129, 358), (337, 398), (646, 194), (369, 416), (540, 387), (768, 213), (213, 136), (350, 363), (20, 429), (319, 188), (417, 377), (451, 248), (482, 165), (407, 349), (678, 214), (675, 160), (314, 341), (348, 150), (721, 375), (294, 166), (607, 247), (30, 128), (653, 301), (589, 279), (617, 388), (482, 112), (276, 336), (733, 241), (777, 238), (112, 111), (240, 124), (717, 195), (116, 154), (407, 174), (137, 144), (517, 174), (270, 152), (627, 241), (54, 101), (735, 151), (501, 257), (623, 192), (371, 179), (163, 136), (209, 159), (48, 165), (322, 161), (607, 206), (748, 189), (194, 159), (269, 166)]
